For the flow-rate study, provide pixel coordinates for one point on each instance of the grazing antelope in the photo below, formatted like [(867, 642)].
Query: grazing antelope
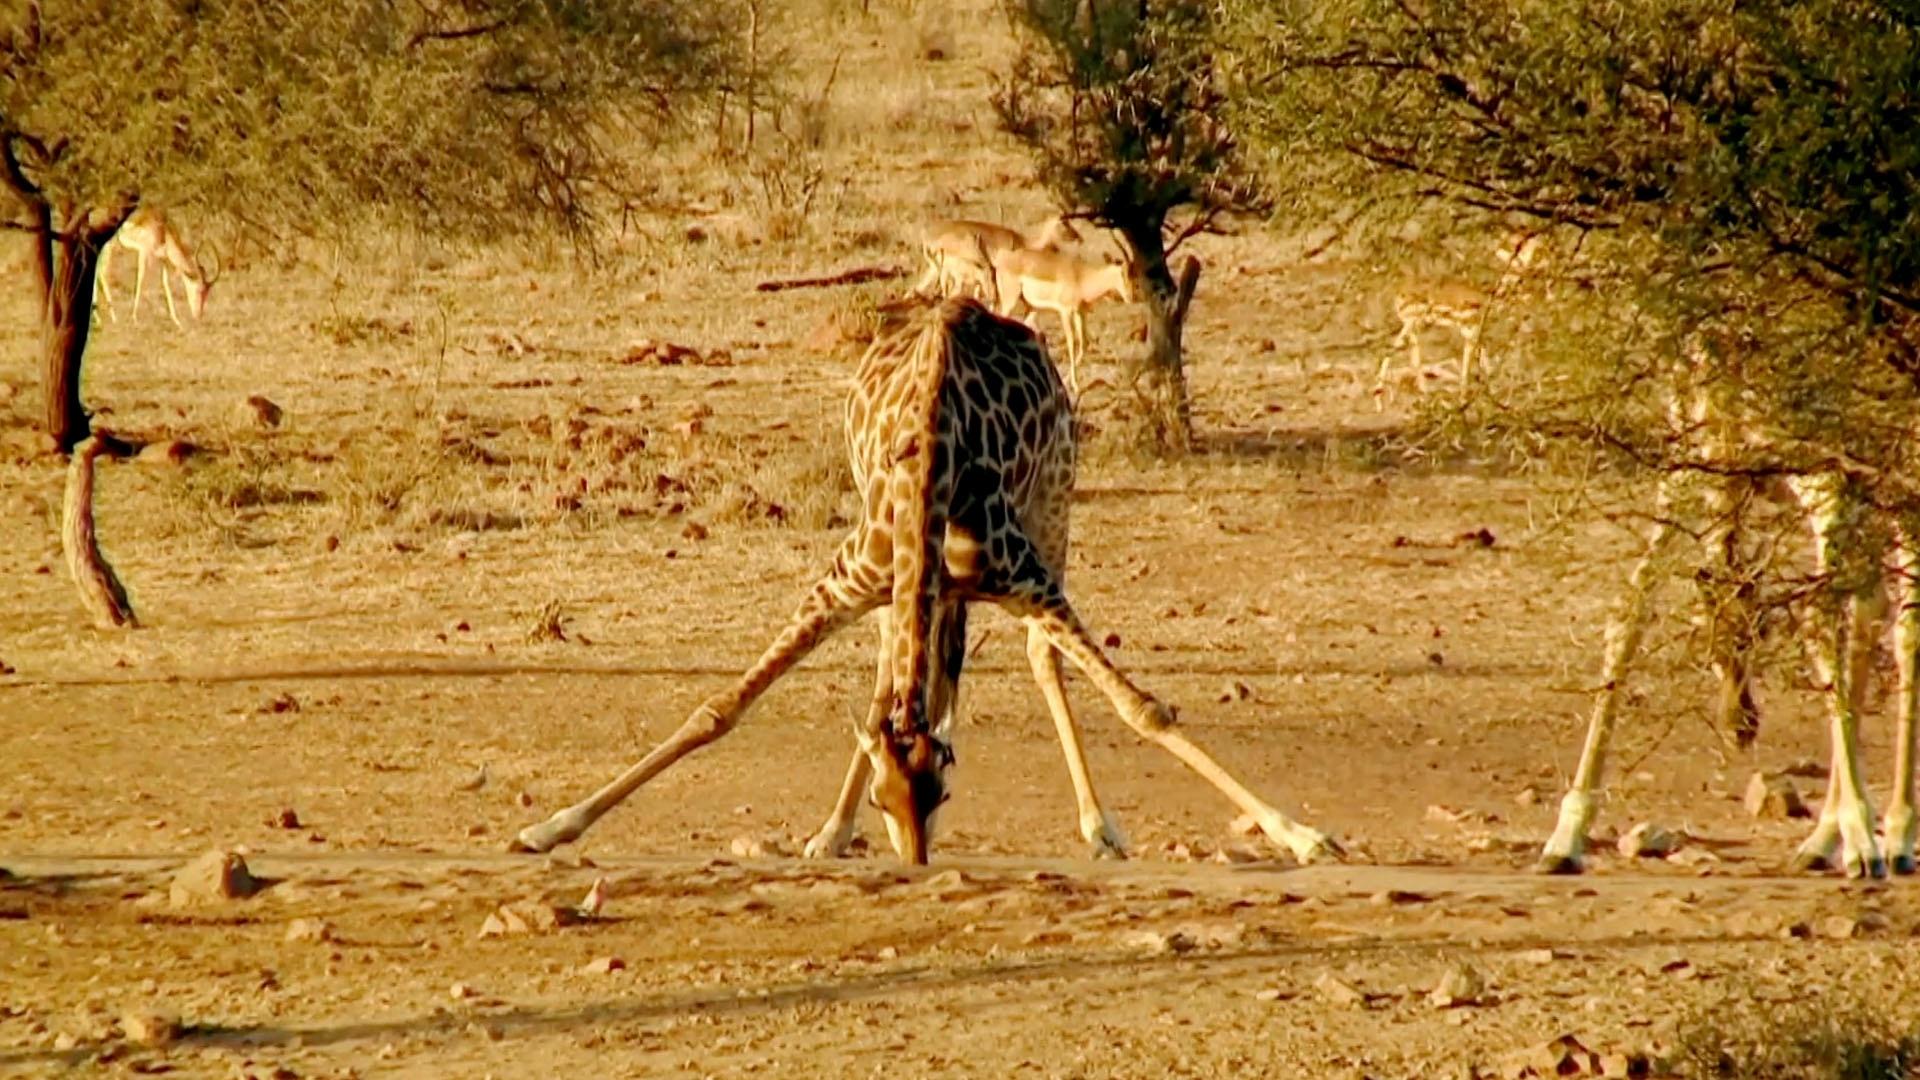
[(1459, 304), (149, 235), (1065, 285), (961, 439), (953, 250)]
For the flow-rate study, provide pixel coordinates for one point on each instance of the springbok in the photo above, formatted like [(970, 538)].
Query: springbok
[(1453, 302), (953, 249), (149, 235), (1065, 285)]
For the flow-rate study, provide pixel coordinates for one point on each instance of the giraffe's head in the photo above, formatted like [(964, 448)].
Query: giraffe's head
[(909, 784)]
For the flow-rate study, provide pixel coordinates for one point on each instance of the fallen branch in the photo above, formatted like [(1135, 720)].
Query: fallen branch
[(100, 589), (855, 276)]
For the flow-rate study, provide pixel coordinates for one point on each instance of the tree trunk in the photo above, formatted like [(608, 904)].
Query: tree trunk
[(1159, 374), (66, 318), (101, 592)]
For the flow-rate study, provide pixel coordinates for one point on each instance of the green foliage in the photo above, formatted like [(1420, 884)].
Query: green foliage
[(1123, 106), (1732, 189), (472, 119)]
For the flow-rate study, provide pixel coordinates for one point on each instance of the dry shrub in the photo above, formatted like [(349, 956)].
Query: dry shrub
[(1835, 1036)]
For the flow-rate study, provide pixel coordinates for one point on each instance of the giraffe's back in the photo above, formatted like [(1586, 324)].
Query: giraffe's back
[(1004, 413)]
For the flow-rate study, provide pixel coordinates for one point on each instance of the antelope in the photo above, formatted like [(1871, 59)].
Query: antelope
[(953, 249), (1459, 304), (148, 234), (1065, 285)]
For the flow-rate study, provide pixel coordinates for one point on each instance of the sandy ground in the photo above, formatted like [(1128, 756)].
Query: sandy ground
[(343, 619)]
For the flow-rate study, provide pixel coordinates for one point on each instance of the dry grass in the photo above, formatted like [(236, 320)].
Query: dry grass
[(1836, 1035)]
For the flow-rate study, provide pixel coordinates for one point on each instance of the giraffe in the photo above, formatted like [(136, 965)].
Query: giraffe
[(961, 437), (1840, 645)]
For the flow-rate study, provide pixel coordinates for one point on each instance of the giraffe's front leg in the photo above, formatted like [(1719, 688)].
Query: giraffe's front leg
[(832, 841)]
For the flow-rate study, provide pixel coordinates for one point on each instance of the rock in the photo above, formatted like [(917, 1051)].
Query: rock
[(1154, 941), (461, 992), (1539, 956), (168, 453), (1236, 690), (309, 930), (1841, 927), (948, 879), (475, 782), (1459, 985), (1648, 841), (1339, 991), (749, 847), (261, 412), (527, 917), (1564, 1056), (1271, 993), (1393, 897), (1527, 796), (1773, 797), (149, 1028), (214, 877), (604, 965)]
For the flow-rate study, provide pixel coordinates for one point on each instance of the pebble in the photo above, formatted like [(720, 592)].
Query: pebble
[(214, 877), (1648, 841), (148, 1028), (1459, 985), (1339, 991), (1773, 797)]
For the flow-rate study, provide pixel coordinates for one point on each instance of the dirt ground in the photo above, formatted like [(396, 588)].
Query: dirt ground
[(493, 532)]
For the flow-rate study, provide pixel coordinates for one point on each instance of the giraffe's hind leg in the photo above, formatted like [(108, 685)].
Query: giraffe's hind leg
[(1031, 591), (1899, 827), (1097, 826), (835, 601)]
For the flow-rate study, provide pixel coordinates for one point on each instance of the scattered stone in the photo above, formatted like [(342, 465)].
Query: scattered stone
[(527, 917), (749, 847), (1447, 815), (168, 453), (149, 1028), (1271, 993), (1564, 1056), (948, 879), (1842, 927), (287, 818), (1393, 897), (1527, 796), (888, 952), (212, 878), (1774, 796), (1648, 841), (461, 992), (261, 412), (525, 799), (1339, 991), (1154, 941), (475, 782), (309, 930), (1541, 956), (1459, 985), (1236, 690), (604, 965), (1237, 854)]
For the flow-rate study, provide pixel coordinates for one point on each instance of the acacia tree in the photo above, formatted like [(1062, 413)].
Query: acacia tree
[(471, 119), (1123, 107), (1746, 176)]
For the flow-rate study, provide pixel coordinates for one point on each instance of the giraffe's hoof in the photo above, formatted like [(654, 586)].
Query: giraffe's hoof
[(1324, 849), (1102, 849), (1809, 862), (1559, 865), (1874, 868), (1902, 865)]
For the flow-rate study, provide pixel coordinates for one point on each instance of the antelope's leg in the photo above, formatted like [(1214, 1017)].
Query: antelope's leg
[(835, 601), (139, 283), (1041, 607), (1900, 825), (1097, 826), (166, 287), (103, 277), (1848, 810), (1565, 851)]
